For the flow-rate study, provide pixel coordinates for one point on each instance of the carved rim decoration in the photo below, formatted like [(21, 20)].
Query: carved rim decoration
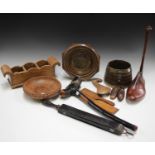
[(80, 60)]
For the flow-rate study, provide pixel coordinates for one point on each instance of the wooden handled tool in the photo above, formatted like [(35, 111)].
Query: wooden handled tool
[(73, 90), (44, 88), (102, 103), (109, 115), (99, 101), (136, 91)]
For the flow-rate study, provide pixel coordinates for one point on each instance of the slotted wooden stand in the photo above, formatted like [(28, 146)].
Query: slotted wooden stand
[(19, 74)]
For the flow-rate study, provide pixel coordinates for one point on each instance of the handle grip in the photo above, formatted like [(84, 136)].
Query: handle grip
[(97, 100), (99, 122), (113, 117), (109, 115), (6, 70), (101, 104)]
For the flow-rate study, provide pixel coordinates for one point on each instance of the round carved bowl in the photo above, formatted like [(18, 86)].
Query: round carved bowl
[(42, 87), (118, 73), (80, 60)]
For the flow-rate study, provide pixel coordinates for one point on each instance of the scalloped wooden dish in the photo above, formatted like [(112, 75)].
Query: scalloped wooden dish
[(80, 60)]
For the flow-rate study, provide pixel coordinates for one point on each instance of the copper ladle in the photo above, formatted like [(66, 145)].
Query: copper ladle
[(136, 91)]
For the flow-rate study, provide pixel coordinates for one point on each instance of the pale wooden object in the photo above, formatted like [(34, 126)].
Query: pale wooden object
[(101, 90), (99, 101), (19, 74), (42, 87)]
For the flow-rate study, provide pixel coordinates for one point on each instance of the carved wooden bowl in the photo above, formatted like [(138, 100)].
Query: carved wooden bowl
[(42, 87), (80, 60)]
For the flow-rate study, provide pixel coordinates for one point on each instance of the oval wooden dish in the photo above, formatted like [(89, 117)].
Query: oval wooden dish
[(42, 87), (80, 60)]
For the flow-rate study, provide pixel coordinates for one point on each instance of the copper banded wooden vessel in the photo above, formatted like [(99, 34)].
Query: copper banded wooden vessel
[(118, 73)]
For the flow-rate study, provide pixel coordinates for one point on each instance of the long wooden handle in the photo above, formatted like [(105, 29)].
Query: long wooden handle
[(147, 30), (109, 115), (98, 101), (102, 105), (95, 96)]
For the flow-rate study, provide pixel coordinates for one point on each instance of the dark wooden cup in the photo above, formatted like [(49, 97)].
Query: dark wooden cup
[(118, 73)]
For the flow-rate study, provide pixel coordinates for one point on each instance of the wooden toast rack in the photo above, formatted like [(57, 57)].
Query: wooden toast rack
[(19, 74)]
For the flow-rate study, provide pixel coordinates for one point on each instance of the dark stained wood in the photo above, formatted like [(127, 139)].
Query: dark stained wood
[(118, 73), (80, 60), (121, 94), (136, 91), (114, 93)]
